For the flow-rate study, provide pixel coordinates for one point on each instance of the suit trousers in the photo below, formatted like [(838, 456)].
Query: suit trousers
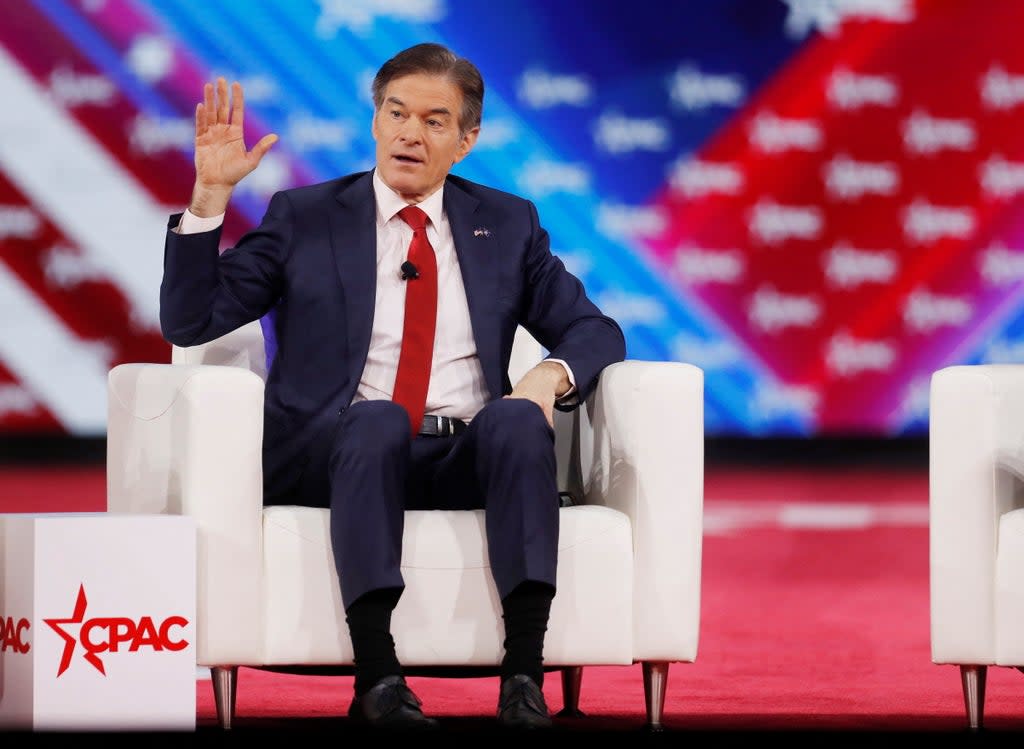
[(370, 472)]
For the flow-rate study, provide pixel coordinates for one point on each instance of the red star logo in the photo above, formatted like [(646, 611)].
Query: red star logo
[(69, 642)]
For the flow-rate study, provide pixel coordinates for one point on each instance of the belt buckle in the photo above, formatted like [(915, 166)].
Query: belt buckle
[(448, 428)]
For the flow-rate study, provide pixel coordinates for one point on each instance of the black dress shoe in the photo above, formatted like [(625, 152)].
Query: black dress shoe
[(521, 704), (390, 704)]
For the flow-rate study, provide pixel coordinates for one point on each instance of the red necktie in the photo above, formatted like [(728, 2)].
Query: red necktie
[(420, 317)]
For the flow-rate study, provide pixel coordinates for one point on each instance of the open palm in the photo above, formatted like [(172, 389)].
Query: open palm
[(220, 154)]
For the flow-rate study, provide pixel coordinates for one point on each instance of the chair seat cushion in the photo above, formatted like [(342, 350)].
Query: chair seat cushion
[(450, 612)]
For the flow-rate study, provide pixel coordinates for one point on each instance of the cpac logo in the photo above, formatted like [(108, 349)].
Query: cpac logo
[(848, 267), (11, 634), (771, 311), (307, 132), (713, 354), (772, 134), (691, 89), (1001, 89), (540, 89), (847, 356), (695, 178), (361, 16), (700, 265), (999, 266), (616, 134), (154, 135), (109, 634), (774, 401), (772, 223), (925, 311), (924, 134), (850, 90), (73, 88), (1001, 178), (546, 177), (849, 179), (630, 221), (924, 222)]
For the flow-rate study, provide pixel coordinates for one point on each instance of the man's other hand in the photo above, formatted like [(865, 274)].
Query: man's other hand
[(542, 385)]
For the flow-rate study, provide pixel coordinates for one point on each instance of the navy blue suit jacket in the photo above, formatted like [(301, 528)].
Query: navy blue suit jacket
[(312, 260)]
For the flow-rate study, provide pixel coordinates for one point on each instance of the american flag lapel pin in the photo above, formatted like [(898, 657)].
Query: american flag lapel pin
[(481, 231)]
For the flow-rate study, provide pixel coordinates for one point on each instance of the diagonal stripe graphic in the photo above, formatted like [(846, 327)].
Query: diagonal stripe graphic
[(67, 375), (86, 192)]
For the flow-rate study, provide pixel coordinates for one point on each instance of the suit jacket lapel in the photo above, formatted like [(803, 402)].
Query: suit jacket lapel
[(354, 242), (478, 261)]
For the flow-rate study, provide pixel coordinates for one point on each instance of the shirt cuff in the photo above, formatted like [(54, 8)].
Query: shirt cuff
[(569, 396), (193, 224)]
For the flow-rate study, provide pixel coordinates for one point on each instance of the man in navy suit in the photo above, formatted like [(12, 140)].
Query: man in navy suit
[(331, 262)]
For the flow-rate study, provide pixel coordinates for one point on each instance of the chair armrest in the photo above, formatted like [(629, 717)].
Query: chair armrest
[(641, 451), (976, 446), (187, 440)]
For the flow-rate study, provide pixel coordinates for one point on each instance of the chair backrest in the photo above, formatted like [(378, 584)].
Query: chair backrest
[(244, 347)]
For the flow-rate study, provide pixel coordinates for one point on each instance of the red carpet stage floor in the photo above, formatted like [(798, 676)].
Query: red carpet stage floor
[(814, 618)]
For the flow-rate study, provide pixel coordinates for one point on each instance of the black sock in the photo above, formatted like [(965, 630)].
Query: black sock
[(525, 611), (369, 624)]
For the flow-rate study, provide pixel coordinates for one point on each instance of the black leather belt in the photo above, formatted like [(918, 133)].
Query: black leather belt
[(441, 426)]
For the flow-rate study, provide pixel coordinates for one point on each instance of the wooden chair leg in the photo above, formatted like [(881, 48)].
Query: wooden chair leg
[(572, 677)]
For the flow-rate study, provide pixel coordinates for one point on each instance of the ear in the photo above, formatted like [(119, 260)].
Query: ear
[(468, 141), (373, 124)]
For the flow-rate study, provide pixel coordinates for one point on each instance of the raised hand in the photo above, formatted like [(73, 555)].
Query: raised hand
[(221, 157)]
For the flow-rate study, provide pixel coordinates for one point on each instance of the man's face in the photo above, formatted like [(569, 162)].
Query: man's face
[(417, 134)]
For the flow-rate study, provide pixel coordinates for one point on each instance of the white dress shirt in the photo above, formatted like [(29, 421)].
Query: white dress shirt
[(457, 387)]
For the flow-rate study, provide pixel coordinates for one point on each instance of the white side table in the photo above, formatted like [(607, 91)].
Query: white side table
[(97, 615)]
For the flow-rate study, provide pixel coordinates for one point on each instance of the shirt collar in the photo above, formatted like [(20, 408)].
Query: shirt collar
[(389, 203)]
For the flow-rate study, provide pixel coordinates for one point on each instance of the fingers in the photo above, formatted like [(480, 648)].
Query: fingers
[(237, 104), (208, 105), (217, 107), (222, 101)]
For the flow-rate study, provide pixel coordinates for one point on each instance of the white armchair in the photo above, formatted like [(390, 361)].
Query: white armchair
[(976, 523), (185, 438)]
